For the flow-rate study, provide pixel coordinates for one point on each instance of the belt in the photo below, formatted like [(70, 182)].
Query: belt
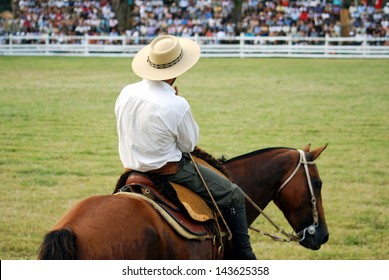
[(168, 169)]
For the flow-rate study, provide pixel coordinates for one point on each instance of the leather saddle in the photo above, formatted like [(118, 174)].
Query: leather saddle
[(182, 207)]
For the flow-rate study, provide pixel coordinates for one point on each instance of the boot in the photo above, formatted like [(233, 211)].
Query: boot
[(237, 222)]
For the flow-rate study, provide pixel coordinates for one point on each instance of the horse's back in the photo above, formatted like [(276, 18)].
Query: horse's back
[(101, 210), (118, 227), (112, 227)]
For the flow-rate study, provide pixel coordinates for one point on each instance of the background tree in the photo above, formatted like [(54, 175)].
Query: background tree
[(122, 9), (5, 5), (237, 15)]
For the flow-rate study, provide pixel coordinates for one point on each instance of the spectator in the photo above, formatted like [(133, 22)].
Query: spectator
[(386, 9)]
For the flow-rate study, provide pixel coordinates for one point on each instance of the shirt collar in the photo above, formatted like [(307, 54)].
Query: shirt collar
[(166, 86)]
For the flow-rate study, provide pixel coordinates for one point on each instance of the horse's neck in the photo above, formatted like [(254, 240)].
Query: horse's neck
[(258, 174)]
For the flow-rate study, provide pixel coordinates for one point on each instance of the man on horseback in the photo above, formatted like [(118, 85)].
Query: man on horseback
[(157, 132)]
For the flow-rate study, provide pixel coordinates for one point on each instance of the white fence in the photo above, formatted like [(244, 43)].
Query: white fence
[(239, 46)]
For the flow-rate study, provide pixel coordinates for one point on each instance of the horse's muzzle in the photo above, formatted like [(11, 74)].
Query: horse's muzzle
[(313, 238)]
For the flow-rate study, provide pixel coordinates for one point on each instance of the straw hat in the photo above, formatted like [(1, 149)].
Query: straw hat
[(166, 57)]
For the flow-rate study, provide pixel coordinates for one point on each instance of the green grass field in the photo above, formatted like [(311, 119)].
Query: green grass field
[(58, 139)]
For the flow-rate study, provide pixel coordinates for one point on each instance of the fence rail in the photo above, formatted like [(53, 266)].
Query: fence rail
[(238, 46)]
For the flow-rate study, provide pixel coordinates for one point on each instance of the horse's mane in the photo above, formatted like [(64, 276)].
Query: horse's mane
[(214, 162), (257, 152)]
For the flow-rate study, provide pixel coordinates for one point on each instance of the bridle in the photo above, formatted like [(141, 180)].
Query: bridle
[(300, 236), (312, 228)]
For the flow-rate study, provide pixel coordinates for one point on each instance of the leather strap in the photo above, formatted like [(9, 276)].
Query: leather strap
[(168, 169)]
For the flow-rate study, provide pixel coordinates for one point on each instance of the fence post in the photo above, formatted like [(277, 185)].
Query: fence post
[(196, 38), (241, 45), (47, 43), (364, 46), (326, 43), (10, 44), (290, 45), (86, 42)]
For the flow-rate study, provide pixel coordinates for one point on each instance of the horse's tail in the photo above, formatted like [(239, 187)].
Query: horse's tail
[(58, 245)]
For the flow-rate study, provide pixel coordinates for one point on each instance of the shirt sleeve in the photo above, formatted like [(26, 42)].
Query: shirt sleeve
[(187, 133)]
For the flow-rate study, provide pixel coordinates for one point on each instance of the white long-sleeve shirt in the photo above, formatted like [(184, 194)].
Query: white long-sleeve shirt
[(154, 125)]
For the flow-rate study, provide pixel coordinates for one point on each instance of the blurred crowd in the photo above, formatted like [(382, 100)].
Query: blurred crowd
[(302, 18), (64, 17)]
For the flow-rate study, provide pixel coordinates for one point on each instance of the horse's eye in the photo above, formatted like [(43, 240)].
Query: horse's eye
[(318, 184)]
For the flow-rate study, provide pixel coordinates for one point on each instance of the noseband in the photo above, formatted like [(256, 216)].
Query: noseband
[(303, 161)]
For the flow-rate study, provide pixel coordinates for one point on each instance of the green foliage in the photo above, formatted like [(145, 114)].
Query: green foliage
[(58, 139), (5, 5)]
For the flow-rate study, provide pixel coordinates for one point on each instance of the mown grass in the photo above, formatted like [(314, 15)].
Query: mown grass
[(58, 139)]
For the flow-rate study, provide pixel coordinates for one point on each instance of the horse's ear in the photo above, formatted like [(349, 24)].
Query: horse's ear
[(307, 148), (316, 152)]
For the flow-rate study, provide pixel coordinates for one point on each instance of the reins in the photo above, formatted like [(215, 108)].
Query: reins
[(290, 237), (211, 196)]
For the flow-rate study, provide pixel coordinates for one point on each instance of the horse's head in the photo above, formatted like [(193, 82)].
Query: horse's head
[(299, 198)]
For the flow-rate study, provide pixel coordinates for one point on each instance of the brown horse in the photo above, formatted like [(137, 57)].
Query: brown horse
[(121, 227)]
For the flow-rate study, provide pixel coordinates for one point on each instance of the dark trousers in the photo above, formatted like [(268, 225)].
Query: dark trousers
[(228, 197), (225, 193)]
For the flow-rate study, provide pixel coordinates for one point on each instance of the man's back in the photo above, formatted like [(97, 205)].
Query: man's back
[(154, 125)]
